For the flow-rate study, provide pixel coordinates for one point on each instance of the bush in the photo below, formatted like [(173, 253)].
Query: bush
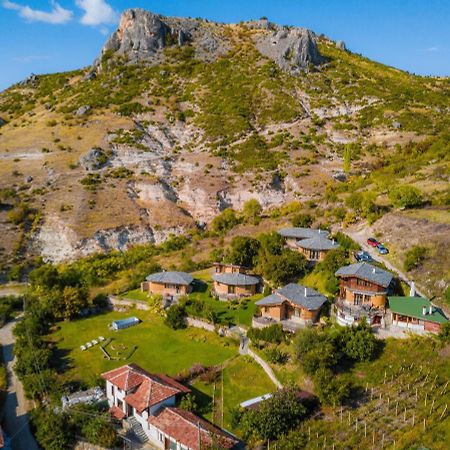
[(252, 211), (273, 334), (276, 356), (302, 220), (225, 221), (414, 257), (405, 197), (176, 317)]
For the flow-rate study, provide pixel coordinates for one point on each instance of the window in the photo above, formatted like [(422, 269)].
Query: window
[(112, 390), (231, 289), (161, 437), (358, 300)]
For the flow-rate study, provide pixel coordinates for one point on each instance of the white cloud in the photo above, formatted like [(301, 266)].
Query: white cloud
[(97, 12), (57, 15), (432, 49)]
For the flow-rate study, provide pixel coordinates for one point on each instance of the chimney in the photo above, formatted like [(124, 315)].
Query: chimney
[(306, 293), (424, 310), (430, 310), (374, 270), (412, 290)]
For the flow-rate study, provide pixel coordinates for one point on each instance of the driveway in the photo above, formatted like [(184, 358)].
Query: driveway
[(14, 414), (360, 236)]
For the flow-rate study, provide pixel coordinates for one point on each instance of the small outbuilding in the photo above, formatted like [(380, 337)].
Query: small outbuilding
[(229, 286), (125, 323), (168, 283)]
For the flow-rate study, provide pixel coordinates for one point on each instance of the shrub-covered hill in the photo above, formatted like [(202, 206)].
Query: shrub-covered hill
[(205, 116)]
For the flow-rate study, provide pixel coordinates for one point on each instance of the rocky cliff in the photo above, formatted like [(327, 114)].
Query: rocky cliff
[(142, 35)]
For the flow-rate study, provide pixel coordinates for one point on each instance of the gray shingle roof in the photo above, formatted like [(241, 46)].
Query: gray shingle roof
[(235, 279), (301, 233), (318, 243), (182, 278), (367, 272), (305, 297)]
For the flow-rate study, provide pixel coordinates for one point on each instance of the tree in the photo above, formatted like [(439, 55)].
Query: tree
[(74, 300), (176, 317), (99, 431), (281, 269), (405, 196), (225, 221), (243, 251), (188, 403), (274, 417), (330, 389), (302, 220), (51, 430), (347, 158), (252, 211), (357, 343)]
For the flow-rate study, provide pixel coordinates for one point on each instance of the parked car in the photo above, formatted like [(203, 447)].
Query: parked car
[(363, 256), (372, 242), (382, 249)]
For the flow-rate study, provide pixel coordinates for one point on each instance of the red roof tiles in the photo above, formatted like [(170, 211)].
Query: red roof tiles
[(190, 430), (151, 389), (117, 413)]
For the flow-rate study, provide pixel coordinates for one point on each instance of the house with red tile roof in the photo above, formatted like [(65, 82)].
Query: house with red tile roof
[(178, 429), (133, 392), (150, 399)]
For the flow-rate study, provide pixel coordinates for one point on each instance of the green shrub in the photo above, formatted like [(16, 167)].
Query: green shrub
[(225, 221), (176, 317), (405, 197), (302, 220), (414, 257)]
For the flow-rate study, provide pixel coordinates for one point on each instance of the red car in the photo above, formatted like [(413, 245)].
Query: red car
[(372, 242)]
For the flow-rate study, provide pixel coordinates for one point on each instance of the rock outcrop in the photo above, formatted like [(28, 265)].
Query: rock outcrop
[(141, 36), (94, 159), (293, 49)]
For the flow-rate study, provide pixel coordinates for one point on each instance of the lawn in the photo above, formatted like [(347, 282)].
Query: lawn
[(159, 348), (243, 379), (136, 294)]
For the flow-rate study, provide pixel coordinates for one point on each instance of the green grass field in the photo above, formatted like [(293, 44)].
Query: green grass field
[(159, 348), (243, 379)]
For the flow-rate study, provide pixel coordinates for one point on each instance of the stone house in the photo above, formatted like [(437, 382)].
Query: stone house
[(229, 286), (168, 284), (293, 303)]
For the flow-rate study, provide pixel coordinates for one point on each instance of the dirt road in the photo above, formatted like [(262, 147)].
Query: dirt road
[(14, 413)]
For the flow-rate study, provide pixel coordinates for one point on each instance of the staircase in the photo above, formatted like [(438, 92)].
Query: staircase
[(136, 432)]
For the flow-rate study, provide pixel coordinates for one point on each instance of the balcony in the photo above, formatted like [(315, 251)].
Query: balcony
[(359, 311)]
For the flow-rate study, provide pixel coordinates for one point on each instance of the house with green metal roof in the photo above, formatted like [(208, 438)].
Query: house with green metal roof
[(416, 314)]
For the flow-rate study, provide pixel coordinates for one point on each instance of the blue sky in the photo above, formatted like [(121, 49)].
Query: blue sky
[(42, 36)]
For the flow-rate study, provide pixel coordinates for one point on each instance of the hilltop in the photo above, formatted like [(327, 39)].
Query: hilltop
[(178, 119)]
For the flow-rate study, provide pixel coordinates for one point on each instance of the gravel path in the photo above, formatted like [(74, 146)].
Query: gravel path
[(15, 410)]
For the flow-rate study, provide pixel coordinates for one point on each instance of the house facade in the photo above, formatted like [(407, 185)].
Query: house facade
[(363, 290), (150, 400), (292, 303), (229, 286), (416, 314), (168, 284)]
